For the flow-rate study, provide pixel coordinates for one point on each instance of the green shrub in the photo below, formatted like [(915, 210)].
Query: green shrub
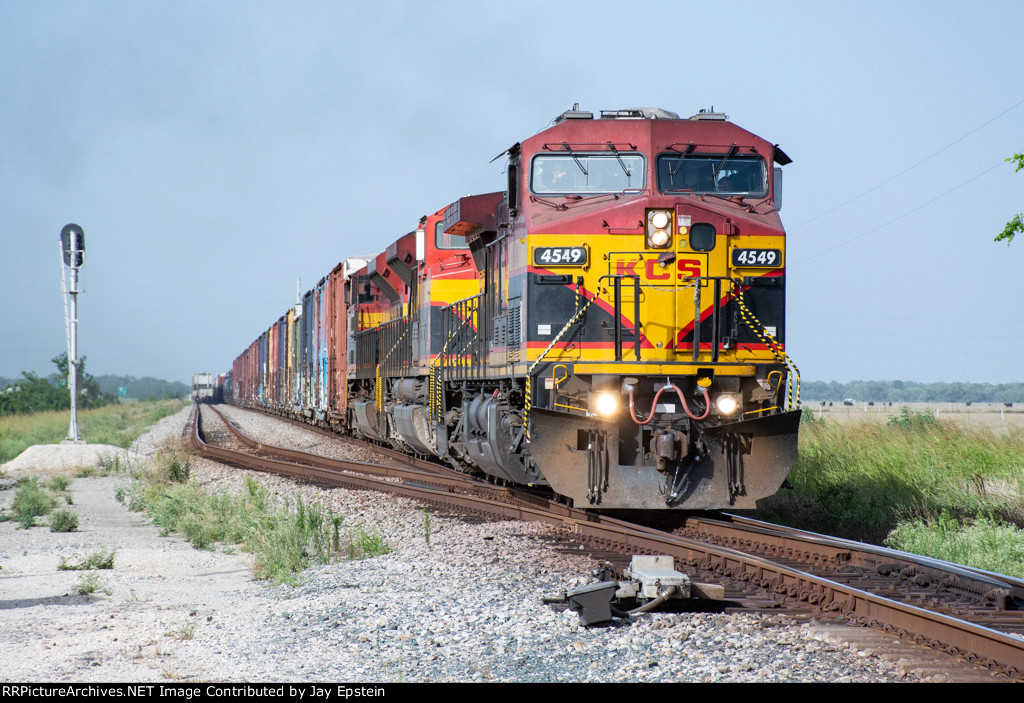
[(199, 533), (97, 560), (982, 542), (63, 521), (175, 466), (912, 421), (807, 417), (59, 484), (365, 544), (90, 583), (117, 463), (255, 494), (31, 501), (293, 540)]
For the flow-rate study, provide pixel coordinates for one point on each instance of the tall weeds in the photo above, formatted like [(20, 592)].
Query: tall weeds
[(861, 481), (983, 542), (284, 540)]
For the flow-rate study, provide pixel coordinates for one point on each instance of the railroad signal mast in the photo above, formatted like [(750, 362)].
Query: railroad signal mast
[(72, 246)]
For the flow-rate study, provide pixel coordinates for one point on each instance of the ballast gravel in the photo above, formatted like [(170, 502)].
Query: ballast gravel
[(454, 601)]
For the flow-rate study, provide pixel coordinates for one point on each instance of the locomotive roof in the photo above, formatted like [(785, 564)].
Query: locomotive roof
[(581, 131)]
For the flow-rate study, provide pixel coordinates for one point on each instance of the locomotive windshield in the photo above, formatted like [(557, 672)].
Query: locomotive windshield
[(564, 174), (745, 176)]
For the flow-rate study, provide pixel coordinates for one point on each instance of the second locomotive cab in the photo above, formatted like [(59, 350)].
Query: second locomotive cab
[(611, 325)]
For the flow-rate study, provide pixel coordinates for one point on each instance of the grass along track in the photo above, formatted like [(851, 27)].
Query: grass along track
[(913, 483)]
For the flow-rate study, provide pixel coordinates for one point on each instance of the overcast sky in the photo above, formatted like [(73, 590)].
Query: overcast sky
[(214, 152)]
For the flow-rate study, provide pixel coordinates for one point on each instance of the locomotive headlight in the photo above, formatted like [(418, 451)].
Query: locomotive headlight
[(658, 239), (727, 404), (606, 404), (659, 228)]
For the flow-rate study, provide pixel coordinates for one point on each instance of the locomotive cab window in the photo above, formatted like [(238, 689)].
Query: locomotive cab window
[(744, 176), (448, 241), (584, 174)]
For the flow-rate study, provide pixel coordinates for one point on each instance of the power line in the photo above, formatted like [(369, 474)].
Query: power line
[(899, 217), (906, 170)]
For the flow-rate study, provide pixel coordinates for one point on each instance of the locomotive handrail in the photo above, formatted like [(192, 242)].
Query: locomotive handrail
[(395, 338), (716, 316), (529, 373), (617, 298), (437, 366), (461, 338), (623, 230), (762, 333), (600, 146), (462, 300), (578, 199)]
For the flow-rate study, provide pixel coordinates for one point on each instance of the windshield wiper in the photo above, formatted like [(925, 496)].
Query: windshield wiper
[(722, 163), (679, 161), (625, 168), (574, 158)]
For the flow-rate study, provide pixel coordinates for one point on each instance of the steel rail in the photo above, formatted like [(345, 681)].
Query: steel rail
[(412, 483), (435, 474), (313, 459), (974, 642), (1013, 586), (409, 460)]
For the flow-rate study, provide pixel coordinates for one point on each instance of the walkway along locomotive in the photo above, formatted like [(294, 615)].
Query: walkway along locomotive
[(610, 325)]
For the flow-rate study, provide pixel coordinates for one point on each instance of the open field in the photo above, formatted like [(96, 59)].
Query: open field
[(993, 416), (117, 424)]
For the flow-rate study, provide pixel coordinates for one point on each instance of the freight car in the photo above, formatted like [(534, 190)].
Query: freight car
[(611, 324)]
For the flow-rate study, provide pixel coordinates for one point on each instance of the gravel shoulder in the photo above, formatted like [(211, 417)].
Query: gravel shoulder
[(463, 605)]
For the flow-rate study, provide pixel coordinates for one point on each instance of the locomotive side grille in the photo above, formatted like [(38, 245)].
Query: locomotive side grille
[(500, 335), (514, 334)]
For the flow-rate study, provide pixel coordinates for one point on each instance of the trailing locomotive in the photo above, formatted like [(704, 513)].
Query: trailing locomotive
[(203, 387), (610, 325)]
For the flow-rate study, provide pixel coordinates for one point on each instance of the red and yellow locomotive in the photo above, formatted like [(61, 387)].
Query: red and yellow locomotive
[(611, 324)]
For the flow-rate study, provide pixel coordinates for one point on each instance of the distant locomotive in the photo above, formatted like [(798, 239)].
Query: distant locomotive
[(610, 325), (204, 387)]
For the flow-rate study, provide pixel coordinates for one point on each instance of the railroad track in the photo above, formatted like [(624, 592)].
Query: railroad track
[(965, 612)]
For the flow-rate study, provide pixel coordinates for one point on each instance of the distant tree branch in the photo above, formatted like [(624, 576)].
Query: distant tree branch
[(1016, 225), (1013, 227)]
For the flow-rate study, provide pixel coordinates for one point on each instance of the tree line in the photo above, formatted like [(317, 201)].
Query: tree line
[(146, 387), (912, 392), (32, 393)]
